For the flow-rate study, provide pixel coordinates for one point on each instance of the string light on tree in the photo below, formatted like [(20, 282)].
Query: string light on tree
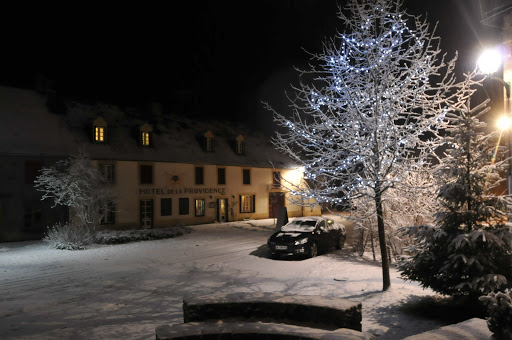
[(371, 114)]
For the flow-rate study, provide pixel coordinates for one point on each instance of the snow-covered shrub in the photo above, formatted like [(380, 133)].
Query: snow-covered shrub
[(499, 306), (126, 236), (412, 204), (69, 236), (468, 250)]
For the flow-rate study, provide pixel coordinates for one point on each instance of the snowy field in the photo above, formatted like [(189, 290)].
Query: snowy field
[(125, 291)]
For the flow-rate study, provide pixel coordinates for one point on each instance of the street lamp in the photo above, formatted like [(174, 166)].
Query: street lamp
[(489, 63), (504, 123)]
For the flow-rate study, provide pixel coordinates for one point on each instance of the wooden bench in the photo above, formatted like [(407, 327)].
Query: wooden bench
[(252, 330), (302, 310)]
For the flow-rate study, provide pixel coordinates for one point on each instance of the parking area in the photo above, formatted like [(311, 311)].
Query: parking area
[(127, 290)]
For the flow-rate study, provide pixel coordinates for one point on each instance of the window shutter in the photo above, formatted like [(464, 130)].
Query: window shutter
[(253, 203), (140, 211), (240, 203), (152, 213), (113, 213)]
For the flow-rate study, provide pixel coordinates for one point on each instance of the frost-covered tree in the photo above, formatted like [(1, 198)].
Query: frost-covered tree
[(76, 184), (469, 250), (367, 111), (411, 204)]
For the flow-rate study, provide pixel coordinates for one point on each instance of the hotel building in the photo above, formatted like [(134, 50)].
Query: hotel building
[(164, 171)]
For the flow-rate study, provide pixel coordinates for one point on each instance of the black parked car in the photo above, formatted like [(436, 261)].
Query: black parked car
[(306, 236)]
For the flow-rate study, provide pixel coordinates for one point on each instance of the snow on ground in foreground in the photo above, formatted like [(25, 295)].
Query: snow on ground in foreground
[(127, 290)]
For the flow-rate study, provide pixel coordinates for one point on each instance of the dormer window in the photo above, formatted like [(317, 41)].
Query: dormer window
[(99, 134), (99, 130), (145, 138), (240, 145), (208, 139)]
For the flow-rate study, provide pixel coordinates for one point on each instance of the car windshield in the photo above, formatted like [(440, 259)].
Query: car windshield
[(299, 225)]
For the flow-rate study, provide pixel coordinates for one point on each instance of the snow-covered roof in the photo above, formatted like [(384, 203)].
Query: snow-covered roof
[(28, 128)]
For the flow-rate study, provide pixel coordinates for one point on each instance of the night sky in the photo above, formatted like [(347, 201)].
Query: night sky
[(214, 59)]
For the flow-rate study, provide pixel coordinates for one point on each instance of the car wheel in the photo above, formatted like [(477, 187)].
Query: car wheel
[(341, 242), (313, 250)]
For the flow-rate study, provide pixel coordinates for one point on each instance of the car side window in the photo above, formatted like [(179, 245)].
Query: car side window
[(321, 225)]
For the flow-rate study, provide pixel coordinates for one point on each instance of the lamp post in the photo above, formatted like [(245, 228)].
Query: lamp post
[(489, 62)]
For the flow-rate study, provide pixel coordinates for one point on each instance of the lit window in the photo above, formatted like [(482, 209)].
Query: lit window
[(246, 203), (200, 207), (99, 134), (145, 138), (99, 131)]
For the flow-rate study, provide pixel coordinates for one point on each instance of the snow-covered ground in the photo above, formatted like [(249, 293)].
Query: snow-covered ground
[(127, 290)]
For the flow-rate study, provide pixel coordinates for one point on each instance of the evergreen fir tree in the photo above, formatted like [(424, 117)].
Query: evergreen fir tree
[(469, 251)]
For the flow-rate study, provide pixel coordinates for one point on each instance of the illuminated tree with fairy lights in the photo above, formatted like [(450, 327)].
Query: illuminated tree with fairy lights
[(369, 110)]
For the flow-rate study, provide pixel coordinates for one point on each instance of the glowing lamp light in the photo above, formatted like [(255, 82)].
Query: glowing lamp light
[(504, 123), (489, 61)]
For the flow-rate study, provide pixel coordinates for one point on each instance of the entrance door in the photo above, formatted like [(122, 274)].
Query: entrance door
[(275, 201), (222, 210), (146, 213)]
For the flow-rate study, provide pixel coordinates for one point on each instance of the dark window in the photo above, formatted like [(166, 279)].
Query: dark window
[(209, 144), (240, 147), (166, 207), (276, 176), (184, 206), (108, 214), (32, 217), (108, 173), (221, 176), (199, 175), (146, 174), (146, 213), (247, 176), (32, 170)]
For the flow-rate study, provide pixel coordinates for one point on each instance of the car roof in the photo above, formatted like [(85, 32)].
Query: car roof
[(309, 218)]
